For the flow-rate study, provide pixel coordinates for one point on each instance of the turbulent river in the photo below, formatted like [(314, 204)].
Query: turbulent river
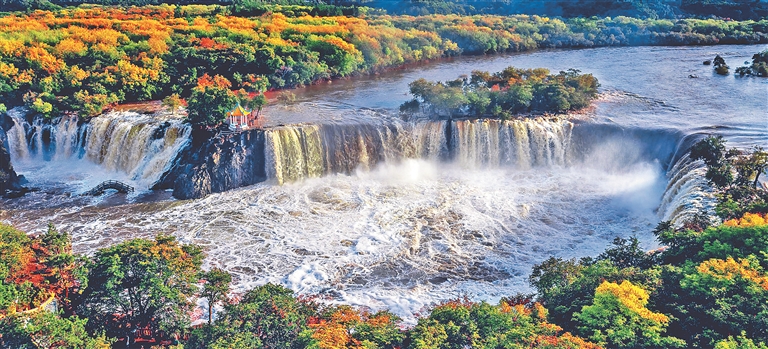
[(366, 209)]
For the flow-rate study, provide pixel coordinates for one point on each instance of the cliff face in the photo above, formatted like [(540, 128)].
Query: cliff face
[(213, 165), (9, 180)]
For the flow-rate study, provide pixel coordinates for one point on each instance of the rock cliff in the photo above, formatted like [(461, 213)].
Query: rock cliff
[(216, 164)]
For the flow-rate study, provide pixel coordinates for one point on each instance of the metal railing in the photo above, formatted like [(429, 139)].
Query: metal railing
[(111, 184)]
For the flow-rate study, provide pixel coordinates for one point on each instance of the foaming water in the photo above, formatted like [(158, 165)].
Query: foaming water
[(398, 237), (397, 215), (393, 214)]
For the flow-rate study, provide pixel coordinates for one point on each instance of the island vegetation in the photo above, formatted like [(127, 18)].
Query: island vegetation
[(706, 288), (85, 59), (503, 94)]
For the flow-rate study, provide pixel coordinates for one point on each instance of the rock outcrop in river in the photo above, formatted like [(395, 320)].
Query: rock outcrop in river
[(213, 165)]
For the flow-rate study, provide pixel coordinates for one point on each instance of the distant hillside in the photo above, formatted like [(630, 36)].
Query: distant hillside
[(733, 9), (737, 9)]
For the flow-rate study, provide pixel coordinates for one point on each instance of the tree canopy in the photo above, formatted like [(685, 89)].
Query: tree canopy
[(142, 283), (503, 94)]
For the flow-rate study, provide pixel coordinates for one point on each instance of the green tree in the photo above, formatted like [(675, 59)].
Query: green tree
[(713, 152), (92, 104), (268, 316), (740, 342), (48, 330), (142, 283), (173, 102), (215, 288), (462, 324), (566, 286), (736, 194), (257, 102)]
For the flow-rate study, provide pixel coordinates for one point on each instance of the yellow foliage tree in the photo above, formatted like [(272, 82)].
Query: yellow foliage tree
[(618, 318)]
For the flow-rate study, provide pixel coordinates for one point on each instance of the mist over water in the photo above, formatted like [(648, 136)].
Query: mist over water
[(366, 209)]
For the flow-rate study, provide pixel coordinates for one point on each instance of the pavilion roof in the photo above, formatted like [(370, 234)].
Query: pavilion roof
[(238, 111)]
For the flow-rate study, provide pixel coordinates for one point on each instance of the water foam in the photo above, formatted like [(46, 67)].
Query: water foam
[(399, 237)]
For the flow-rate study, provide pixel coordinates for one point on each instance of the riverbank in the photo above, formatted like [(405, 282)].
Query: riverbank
[(147, 53)]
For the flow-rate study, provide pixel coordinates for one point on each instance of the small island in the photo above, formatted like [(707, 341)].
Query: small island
[(759, 66), (503, 94)]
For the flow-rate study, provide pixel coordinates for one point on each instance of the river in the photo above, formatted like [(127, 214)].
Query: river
[(372, 212)]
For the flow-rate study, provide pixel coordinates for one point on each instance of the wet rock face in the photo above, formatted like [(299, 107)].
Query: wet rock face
[(217, 164), (9, 180)]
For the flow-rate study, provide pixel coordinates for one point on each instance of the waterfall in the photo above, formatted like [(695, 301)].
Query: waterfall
[(520, 143), (687, 193), (17, 137), (430, 141), (139, 146), (301, 151), (294, 153)]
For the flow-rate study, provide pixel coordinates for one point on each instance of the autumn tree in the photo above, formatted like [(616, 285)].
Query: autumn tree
[(16, 258), (142, 282), (618, 318), (346, 327), (210, 101)]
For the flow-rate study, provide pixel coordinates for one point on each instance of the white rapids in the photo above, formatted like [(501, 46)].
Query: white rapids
[(402, 236)]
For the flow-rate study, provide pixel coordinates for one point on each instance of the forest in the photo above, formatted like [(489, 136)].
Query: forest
[(735, 9), (706, 288), (88, 58)]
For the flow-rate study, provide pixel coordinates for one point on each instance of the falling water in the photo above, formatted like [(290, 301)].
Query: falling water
[(139, 146), (17, 138), (687, 193), (304, 151), (521, 143)]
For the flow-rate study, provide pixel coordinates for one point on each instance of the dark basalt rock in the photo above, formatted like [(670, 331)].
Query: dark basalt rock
[(216, 164)]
